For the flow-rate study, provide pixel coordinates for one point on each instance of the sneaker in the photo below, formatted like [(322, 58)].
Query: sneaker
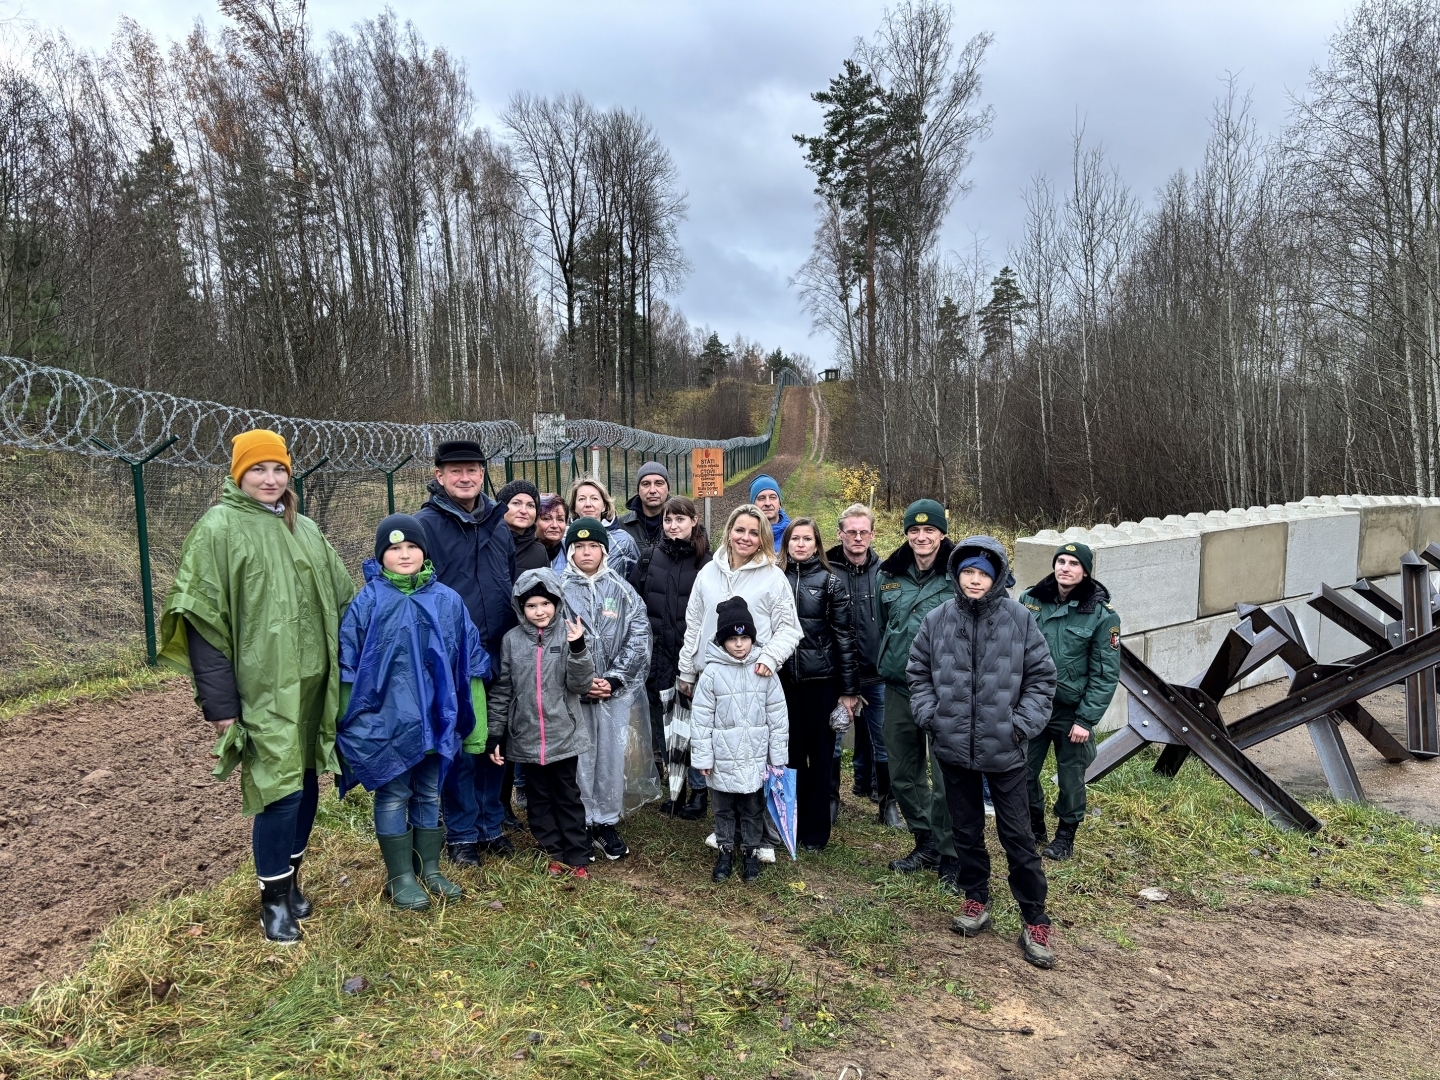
[(501, 846), (557, 869), (463, 854), (609, 841), (765, 854), (974, 918), (1035, 945), (580, 873), (710, 841)]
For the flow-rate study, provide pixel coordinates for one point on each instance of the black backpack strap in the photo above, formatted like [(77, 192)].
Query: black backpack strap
[(642, 569)]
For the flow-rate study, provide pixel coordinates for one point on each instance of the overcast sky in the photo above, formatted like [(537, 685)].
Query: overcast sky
[(727, 83)]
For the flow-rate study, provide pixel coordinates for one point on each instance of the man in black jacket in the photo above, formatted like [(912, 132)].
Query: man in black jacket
[(644, 518), (857, 565), (981, 685), (473, 553)]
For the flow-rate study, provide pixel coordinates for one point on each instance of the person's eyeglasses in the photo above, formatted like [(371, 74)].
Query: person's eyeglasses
[(856, 534)]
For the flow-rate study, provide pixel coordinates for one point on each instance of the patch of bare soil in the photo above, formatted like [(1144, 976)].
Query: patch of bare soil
[(794, 429), (104, 805), (1284, 988)]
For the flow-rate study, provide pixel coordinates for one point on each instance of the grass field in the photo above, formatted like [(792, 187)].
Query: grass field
[(650, 970)]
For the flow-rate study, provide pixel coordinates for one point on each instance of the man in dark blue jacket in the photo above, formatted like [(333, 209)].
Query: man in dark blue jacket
[(473, 553)]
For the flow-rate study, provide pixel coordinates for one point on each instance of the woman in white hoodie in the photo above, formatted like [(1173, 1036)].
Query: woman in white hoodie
[(745, 566)]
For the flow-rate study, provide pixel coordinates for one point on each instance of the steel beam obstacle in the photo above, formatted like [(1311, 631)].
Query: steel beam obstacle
[(1185, 718)]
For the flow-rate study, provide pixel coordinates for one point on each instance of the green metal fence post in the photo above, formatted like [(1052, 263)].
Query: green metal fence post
[(142, 532), (390, 477), (299, 480)]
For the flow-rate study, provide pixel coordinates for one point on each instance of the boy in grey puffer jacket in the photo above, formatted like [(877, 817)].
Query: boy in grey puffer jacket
[(981, 685), (544, 668), (738, 725)]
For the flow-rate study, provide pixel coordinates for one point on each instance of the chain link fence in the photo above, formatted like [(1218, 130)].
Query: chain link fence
[(103, 483)]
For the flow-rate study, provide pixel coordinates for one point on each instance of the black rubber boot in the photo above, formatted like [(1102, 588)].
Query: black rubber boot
[(463, 854), (299, 906), (696, 805), (752, 865), (1063, 846), (925, 855), (1037, 826), (724, 865), (276, 918)]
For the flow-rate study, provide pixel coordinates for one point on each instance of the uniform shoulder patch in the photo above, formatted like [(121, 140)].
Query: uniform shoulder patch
[(889, 585), (1109, 607), (1031, 605), (1115, 637)]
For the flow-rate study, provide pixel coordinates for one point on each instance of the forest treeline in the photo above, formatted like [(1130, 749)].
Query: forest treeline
[(1266, 327), (321, 228)]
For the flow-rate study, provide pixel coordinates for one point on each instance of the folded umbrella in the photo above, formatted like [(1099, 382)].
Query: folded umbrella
[(677, 738), (780, 801)]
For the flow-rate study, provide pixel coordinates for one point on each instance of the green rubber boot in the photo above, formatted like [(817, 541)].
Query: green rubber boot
[(428, 843), (400, 884)]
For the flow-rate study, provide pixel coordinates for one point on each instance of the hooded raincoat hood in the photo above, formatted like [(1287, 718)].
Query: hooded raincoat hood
[(410, 658)]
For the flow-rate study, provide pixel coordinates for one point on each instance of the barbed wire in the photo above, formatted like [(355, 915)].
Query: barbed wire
[(49, 408)]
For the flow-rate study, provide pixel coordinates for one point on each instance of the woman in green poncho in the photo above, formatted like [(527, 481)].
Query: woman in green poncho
[(253, 618)]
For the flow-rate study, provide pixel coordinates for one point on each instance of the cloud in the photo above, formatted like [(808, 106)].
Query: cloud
[(727, 85)]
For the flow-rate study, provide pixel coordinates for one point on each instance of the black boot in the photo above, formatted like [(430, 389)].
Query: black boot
[(299, 906), (696, 805), (1037, 826), (923, 857), (276, 918), (752, 865), (724, 865), (1063, 846), (463, 854), (889, 814)]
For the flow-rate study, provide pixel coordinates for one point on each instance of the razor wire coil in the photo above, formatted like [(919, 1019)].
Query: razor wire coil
[(50, 408)]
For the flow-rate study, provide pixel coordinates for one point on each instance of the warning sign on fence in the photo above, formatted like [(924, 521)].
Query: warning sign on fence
[(707, 467)]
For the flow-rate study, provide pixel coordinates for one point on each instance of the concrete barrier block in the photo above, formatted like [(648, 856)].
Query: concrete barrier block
[(1427, 527), (1152, 583), (1032, 557), (1244, 563), (1179, 653), (1323, 546), (1387, 531)]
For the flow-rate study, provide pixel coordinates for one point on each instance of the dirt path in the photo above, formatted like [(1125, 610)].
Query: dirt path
[(104, 805), (1289, 987), (794, 431)]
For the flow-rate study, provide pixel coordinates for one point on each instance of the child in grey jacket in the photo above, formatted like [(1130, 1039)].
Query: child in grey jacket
[(738, 725), (535, 709)]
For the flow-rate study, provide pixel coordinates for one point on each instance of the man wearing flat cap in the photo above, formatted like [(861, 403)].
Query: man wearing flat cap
[(1083, 632), (473, 553)]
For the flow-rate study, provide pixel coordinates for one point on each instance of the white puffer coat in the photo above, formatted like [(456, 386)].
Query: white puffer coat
[(765, 591), (738, 723)]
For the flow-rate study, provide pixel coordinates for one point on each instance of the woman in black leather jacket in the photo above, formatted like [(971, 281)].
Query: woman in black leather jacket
[(823, 670), (663, 577)]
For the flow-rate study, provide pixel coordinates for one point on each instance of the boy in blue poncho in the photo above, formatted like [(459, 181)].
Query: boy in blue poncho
[(412, 667)]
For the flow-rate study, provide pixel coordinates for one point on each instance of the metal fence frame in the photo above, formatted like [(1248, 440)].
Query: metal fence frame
[(49, 408)]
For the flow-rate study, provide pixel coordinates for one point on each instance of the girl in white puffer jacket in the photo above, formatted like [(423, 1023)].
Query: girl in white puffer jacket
[(739, 725)]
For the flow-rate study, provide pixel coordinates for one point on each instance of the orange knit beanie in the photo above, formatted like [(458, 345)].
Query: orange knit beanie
[(253, 447)]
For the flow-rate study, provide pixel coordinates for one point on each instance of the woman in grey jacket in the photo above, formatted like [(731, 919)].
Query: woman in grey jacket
[(535, 701), (981, 684)]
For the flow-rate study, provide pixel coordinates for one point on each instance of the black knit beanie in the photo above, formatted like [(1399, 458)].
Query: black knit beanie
[(518, 487), (732, 619), (396, 529)]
